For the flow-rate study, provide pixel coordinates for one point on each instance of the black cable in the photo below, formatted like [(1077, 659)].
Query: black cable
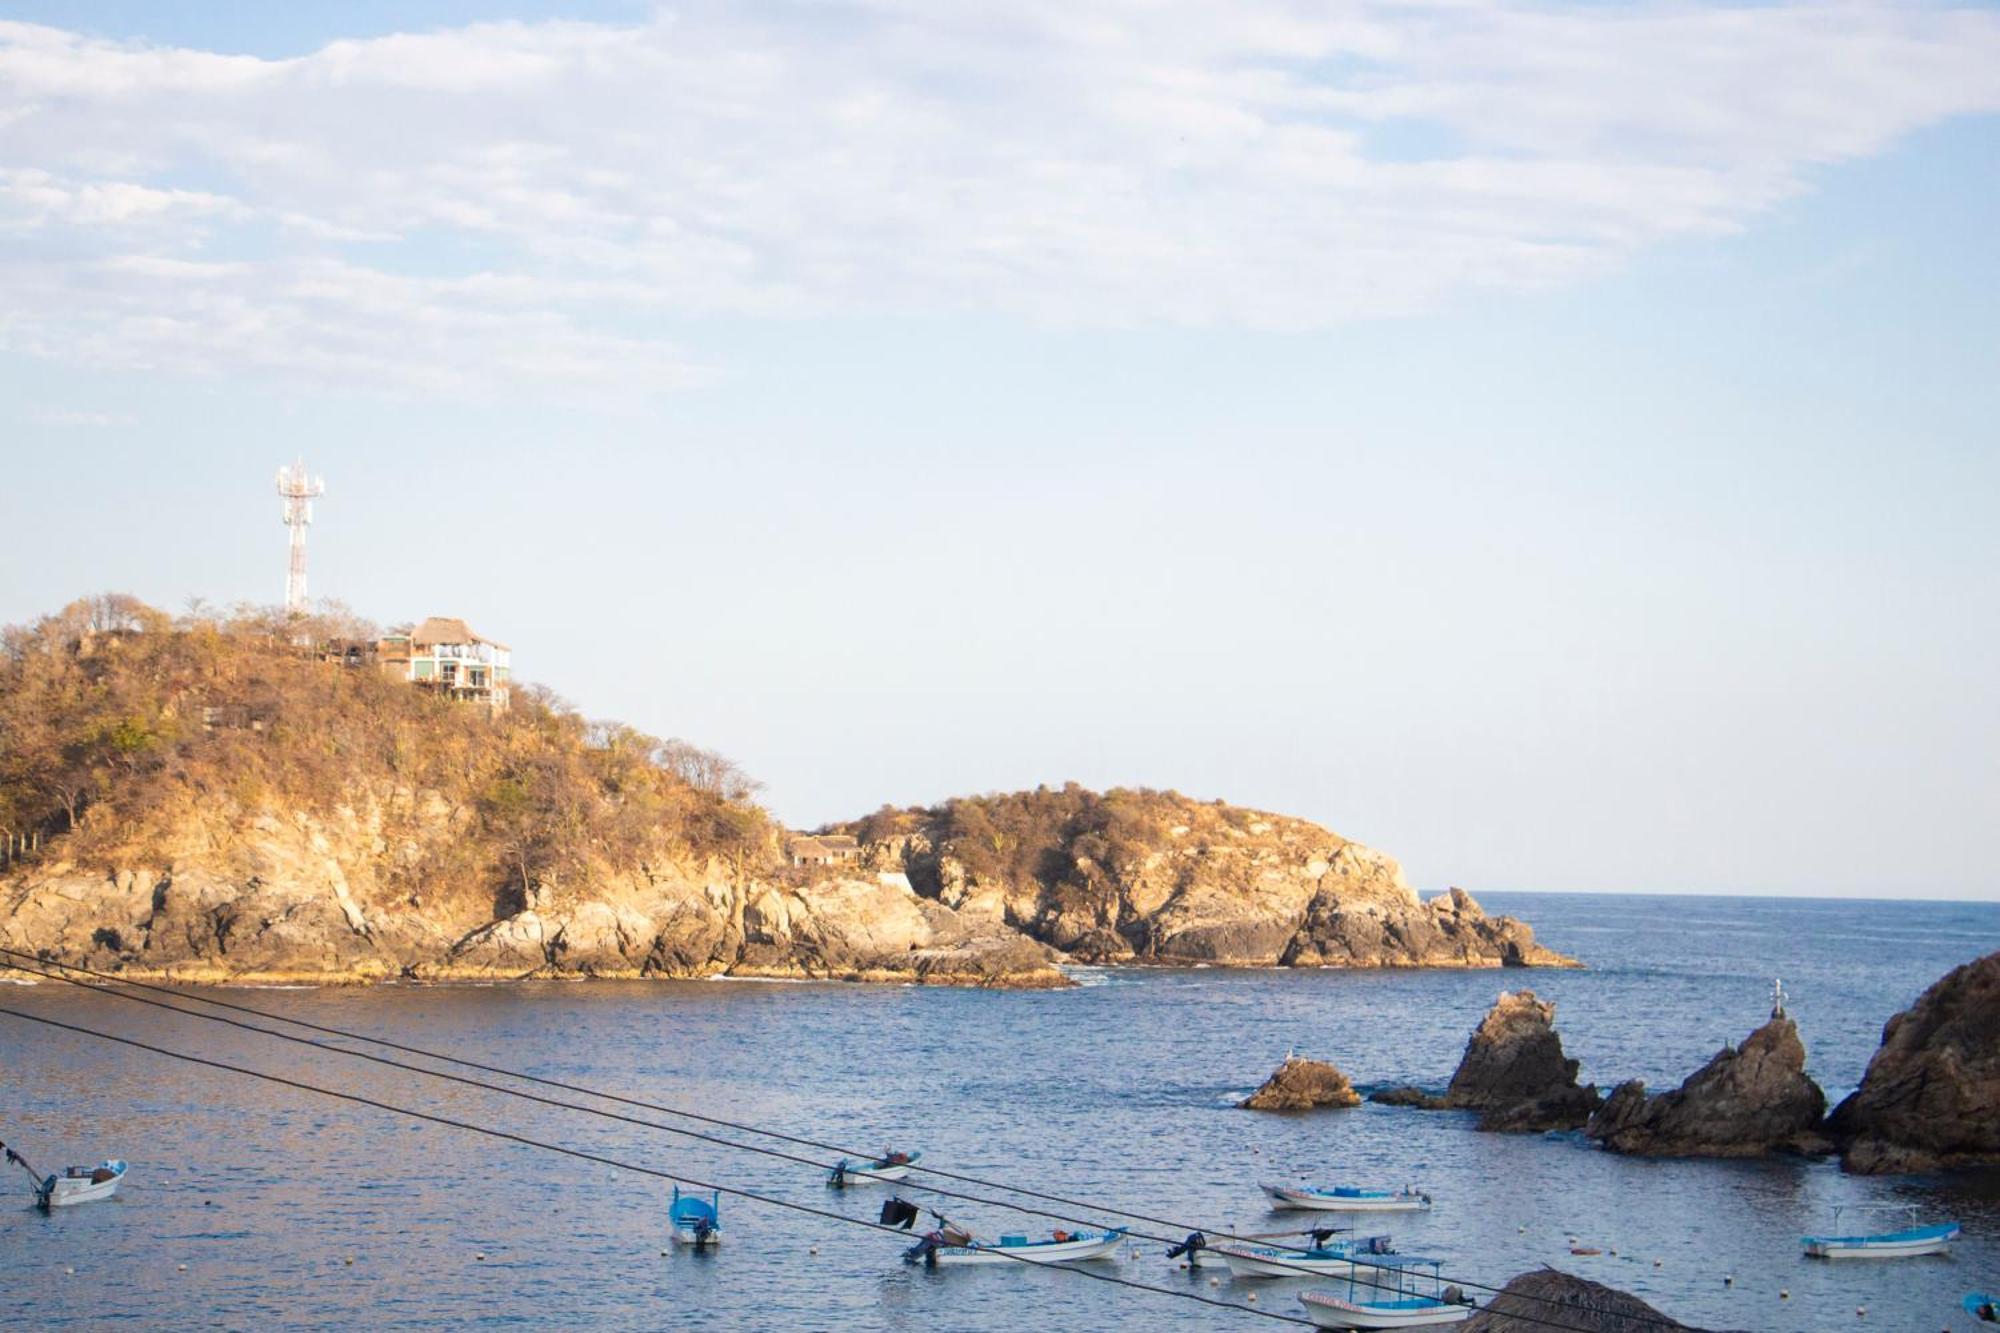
[(670, 1129), (579, 1153)]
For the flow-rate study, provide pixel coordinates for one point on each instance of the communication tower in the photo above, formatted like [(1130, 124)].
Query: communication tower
[(297, 489)]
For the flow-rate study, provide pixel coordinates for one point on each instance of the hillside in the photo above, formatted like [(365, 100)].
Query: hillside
[(213, 801)]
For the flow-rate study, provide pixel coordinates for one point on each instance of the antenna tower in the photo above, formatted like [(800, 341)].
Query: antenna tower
[(297, 489)]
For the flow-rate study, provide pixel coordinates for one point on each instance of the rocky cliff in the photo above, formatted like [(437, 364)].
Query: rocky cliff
[(1156, 877), (1748, 1101), (1931, 1096), (272, 895)]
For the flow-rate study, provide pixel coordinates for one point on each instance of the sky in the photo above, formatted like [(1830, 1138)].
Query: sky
[(1552, 443)]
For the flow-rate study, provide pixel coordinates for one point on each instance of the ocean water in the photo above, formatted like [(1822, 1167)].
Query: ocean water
[(250, 1205)]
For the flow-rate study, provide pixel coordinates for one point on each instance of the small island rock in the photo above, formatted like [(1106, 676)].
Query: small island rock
[(1748, 1101), (1515, 1074), (1303, 1085), (1931, 1096)]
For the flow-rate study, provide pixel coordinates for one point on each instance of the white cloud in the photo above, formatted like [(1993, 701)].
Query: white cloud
[(481, 208)]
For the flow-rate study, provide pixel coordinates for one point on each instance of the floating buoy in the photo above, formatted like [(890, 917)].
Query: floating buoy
[(1215, 1282), (1614, 1254), (1523, 1228), (1861, 1311), (1728, 1280), (813, 1250), (349, 1261), (69, 1272), (663, 1254), (1658, 1262), (1252, 1298), (479, 1254), (180, 1268), (1784, 1295)]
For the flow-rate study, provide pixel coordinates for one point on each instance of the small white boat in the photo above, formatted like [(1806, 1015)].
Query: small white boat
[(1907, 1243), (81, 1184), (78, 1184), (1394, 1291), (890, 1166), (949, 1246), (1336, 1259), (1348, 1198), (696, 1220)]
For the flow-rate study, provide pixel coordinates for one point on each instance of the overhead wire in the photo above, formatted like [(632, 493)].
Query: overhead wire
[(1087, 1207), (581, 1154)]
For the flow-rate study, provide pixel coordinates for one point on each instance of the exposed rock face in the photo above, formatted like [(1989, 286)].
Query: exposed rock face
[(1535, 1300), (1749, 1101), (1931, 1096), (299, 898), (213, 891), (1303, 1085), (1157, 877), (1513, 1072)]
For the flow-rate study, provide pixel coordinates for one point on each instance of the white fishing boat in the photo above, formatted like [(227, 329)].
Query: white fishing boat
[(695, 1220), (1327, 1259), (1348, 1198), (890, 1166), (950, 1247), (1394, 1291), (1904, 1244), (77, 1184)]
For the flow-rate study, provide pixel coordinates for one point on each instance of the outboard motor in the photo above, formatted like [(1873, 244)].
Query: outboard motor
[(1195, 1241)]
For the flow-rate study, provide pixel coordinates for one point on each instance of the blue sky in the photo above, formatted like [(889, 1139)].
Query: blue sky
[(1554, 446)]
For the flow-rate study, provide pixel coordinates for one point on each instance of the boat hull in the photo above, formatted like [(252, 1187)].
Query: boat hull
[(1104, 1246), (1898, 1245), (708, 1241), (1261, 1262), (1328, 1311), (1286, 1196), (66, 1191)]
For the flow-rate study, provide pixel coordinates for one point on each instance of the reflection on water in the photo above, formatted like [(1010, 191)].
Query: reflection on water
[(290, 1210)]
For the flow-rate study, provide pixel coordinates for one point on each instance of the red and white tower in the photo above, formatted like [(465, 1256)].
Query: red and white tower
[(298, 490)]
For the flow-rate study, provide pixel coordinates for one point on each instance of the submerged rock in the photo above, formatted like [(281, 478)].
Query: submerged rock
[(1546, 1298), (1303, 1085), (1514, 1071), (1931, 1096), (1408, 1096), (1748, 1101)]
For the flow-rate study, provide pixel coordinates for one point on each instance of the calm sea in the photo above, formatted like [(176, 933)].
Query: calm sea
[(255, 1206)]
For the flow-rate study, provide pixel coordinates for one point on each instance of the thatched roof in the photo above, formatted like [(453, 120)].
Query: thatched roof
[(449, 629)]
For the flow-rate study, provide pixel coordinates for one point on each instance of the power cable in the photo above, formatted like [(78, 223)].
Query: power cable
[(580, 1154)]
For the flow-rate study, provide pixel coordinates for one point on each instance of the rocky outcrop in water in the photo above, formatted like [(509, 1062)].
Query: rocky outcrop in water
[(1931, 1096), (1513, 1072), (1303, 1085), (1748, 1101), (1536, 1301)]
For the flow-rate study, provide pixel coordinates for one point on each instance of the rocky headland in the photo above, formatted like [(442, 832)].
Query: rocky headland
[(1300, 1084), (1513, 1072), (212, 799), (1931, 1096), (1747, 1101)]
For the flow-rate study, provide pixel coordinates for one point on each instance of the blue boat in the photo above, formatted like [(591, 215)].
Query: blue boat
[(1394, 1291), (1982, 1307), (1902, 1244), (696, 1219)]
